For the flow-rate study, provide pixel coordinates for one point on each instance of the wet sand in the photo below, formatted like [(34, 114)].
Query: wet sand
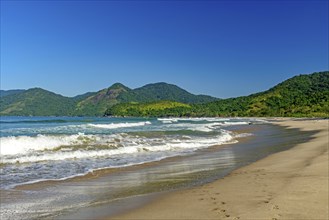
[(291, 184)]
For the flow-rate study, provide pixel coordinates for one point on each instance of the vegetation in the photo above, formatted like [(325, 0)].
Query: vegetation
[(300, 96), (42, 102), (96, 104), (4, 93), (36, 102), (163, 91), (159, 108)]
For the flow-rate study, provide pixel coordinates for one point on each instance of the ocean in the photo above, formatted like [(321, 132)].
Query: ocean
[(35, 149)]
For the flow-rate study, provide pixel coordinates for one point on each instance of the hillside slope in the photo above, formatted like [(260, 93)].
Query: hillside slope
[(299, 96), (99, 102), (36, 101), (4, 93), (164, 91)]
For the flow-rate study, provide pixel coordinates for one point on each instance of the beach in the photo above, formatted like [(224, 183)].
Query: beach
[(291, 184), (272, 168)]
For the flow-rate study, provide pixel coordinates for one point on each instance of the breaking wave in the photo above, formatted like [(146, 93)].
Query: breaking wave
[(120, 125)]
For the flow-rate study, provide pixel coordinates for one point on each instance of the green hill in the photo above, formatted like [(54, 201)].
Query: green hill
[(36, 101), (4, 93), (164, 91), (300, 96), (158, 108), (40, 102), (99, 102)]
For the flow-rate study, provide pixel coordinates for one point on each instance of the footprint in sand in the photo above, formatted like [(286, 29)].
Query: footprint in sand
[(275, 207)]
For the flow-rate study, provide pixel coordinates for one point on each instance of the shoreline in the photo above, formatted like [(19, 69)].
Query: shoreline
[(291, 184), (139, 192)]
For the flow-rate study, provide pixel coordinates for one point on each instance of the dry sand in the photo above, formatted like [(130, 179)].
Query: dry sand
[(292, 184)]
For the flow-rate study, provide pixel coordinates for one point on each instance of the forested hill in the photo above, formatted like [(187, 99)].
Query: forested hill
[(4, 93), (40, 102), (299, 96), (99, 102), (36, 101), (164, 91)]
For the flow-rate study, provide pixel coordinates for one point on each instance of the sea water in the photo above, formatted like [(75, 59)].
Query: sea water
[(35, 149)]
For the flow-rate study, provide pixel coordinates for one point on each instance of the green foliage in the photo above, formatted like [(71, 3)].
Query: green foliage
[(99, 102), (164, 91), (151, 109), (4, 93), (36, 102), (79, 98), (300, 96)]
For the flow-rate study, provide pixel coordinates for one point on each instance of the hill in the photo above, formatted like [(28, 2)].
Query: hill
[(163, 91), (158, 108), (4, 93), (36, 101), (99, 102), (40, 102), (299, 96)]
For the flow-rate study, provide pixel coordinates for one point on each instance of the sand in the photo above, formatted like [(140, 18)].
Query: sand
[(292, 184)]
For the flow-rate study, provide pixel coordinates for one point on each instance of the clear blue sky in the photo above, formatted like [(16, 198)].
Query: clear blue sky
[(219, 48)]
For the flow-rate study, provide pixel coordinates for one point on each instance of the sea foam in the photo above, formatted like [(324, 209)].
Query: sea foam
[(120, 125)]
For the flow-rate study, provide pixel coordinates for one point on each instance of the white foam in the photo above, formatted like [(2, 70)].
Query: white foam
[(208, 127), (167, 120), (120, 125), (23, 144), (32, 149), (170, 120), (235, 122), (192, 127), (243, 135)]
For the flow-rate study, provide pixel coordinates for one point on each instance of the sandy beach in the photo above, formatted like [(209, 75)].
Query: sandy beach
[(292, 184)]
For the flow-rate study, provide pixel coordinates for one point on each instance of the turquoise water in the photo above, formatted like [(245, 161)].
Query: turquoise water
[(36, 149)]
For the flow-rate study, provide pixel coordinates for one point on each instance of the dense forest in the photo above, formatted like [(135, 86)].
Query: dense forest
[(40, 102), (299, 96)]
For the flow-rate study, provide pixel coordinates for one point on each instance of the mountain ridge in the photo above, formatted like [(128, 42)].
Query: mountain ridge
[(305, 95), (91, 103)]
